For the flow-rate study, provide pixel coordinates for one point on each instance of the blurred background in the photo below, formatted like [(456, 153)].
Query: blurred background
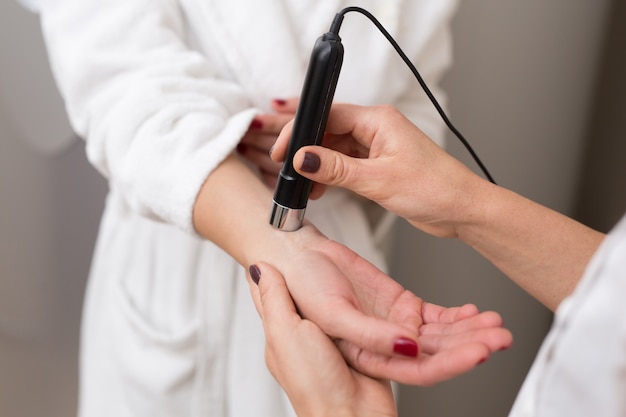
[(537, 87)]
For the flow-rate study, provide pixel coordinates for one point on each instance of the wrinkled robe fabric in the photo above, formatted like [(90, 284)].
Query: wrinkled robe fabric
[(162, 91), (580, 369)]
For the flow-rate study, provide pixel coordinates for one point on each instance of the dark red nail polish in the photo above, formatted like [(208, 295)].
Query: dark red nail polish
[(255, 273), (483, 360), (311, 162), (280, 102), (241, 148), (406, 347), (256, 124)]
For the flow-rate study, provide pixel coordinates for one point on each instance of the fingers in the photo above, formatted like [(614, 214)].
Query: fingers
[(362, 317), (493, 339), (289, 105), (329, 167), (438, 360), (271, 297), (293, 344), (433, 313), (351, 131), (447, 327), (279, 148), (426, 370), (256, 144), (260, 158), (371, 333), (265, 127), (355, 126), (447, 348), (257, 139), (317, 190), (270, 123), (452, 341)]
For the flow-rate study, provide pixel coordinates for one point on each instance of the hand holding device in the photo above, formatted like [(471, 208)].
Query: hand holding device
[(292, 190)]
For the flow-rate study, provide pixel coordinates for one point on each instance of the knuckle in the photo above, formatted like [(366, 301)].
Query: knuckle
[(338, 170), (386, 111)]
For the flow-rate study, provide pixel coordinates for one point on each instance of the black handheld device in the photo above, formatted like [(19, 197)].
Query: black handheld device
[(292, 190)]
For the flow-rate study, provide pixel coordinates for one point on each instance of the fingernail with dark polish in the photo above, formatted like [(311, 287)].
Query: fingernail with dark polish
[(280, 102), (241, 148), (311, 162), (483, 360), (256, 124), (406, 347), (255, 273)]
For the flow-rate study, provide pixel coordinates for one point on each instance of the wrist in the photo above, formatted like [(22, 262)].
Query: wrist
[(474, 208), (454, 206), (495, 211), (349, 411), (277, 246)]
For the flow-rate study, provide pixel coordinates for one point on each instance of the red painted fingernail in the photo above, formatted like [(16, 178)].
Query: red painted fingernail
[(280, 102), (256, 124), (483, 360), (406, 347), (241, 148)]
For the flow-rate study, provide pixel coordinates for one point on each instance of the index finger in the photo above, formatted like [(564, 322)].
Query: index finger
[(361, 124), (278, 151)]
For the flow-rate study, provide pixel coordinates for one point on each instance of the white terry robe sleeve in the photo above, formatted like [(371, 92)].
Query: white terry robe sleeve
[(155, 119)]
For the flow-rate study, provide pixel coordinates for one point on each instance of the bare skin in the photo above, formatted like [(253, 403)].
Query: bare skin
[(323, 383), (378, 153), (346, 296), (296, 343)]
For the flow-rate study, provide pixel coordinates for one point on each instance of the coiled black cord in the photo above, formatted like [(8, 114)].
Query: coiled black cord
[(336, 25)]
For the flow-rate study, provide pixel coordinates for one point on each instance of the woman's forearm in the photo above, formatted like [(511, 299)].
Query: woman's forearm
[(540, 249), (392, 162), (332, 286), (232, 210)]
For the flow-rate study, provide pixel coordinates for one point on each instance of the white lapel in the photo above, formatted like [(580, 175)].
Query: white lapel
[(266, 49)]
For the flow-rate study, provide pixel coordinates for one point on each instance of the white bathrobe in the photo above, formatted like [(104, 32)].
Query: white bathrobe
[(580, 369), (162, 91)]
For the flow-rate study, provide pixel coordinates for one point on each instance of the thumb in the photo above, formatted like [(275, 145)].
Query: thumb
[(326, 166), (271, 296)]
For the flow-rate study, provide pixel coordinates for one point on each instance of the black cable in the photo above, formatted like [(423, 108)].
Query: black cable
[(335, 29)]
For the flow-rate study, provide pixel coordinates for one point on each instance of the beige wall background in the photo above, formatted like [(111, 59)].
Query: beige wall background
[(532, 82), (51, 201), (537, 89)]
